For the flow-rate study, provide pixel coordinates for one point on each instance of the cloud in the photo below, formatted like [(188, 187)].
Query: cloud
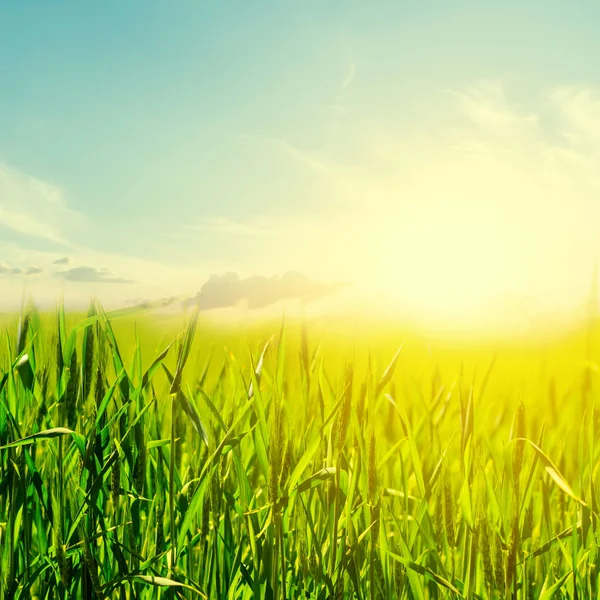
[(228, 290), (225, 226), (65, 260), (350, 75), (91, 275), (305, 159), (486, 106), (6, 269), (34, 208), (580, 107)]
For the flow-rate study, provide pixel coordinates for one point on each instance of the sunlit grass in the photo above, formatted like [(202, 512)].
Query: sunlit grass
[(174, 458)]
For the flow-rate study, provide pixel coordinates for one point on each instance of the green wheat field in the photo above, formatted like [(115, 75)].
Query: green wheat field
[(167, 457)]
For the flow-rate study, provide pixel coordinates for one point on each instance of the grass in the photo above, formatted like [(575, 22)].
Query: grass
[(218, 464)]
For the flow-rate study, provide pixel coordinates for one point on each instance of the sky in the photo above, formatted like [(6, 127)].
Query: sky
[(442, 157)]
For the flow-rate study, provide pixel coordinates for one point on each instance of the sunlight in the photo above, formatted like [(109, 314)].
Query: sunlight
[(446, 263)]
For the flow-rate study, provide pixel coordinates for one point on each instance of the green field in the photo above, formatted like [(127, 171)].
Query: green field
[(156, 456)]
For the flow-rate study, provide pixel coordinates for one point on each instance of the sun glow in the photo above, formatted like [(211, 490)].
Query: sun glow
[(465, 261)]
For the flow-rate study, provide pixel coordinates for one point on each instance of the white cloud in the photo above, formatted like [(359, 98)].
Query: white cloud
[(224, 226), (486, 106), (34, 208), (350, 75), (580, 107)]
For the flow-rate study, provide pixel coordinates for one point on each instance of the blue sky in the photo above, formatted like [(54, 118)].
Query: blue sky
[(163, 141)]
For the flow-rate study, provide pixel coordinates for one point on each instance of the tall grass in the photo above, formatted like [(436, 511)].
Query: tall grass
[(277, 473)]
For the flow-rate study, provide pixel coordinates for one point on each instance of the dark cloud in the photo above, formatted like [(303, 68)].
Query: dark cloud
[(222, 291), (65, 260), (91, 275), (8, 270), (142, 304)]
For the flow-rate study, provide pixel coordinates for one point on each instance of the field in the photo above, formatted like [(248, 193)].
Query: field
[(147, 457)]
